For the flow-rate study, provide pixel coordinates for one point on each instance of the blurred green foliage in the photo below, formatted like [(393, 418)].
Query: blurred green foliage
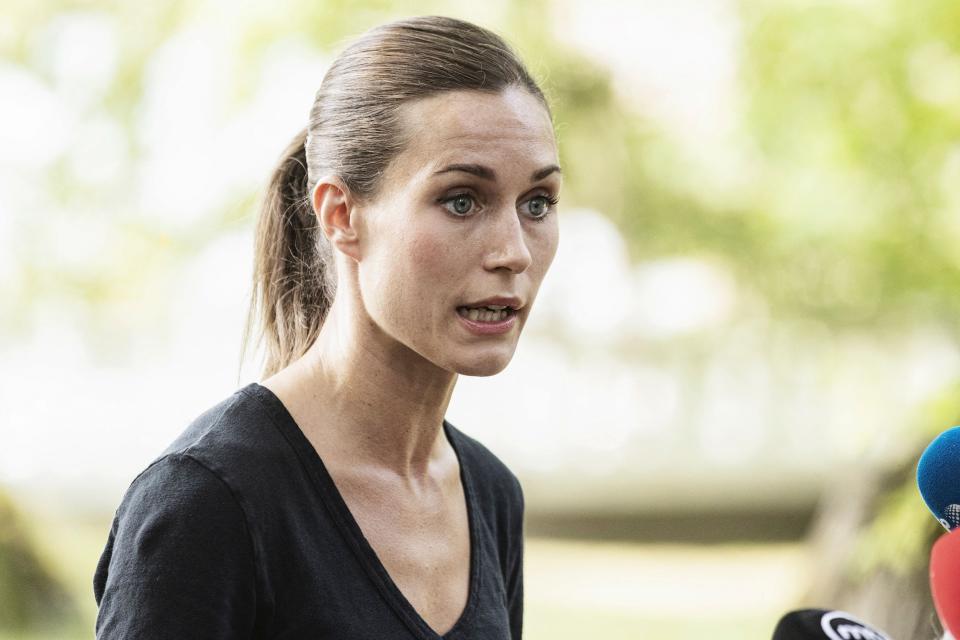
[(30, 596), (846, 211), (855, 110), (899, 536)]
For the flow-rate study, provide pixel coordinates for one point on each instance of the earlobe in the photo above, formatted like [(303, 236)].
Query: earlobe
[(335, 211)]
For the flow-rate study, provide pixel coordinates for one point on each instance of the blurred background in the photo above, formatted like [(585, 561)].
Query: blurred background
[(750, 331)]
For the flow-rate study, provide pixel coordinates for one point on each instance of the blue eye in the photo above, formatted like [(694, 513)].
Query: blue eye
[(541, 206), (462, 203)]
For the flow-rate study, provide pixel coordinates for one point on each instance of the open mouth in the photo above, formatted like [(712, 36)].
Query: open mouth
[(486, 314)]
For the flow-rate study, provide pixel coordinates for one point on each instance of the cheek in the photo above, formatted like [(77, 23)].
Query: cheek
[(433, 265), (543, 246), (434, 258)]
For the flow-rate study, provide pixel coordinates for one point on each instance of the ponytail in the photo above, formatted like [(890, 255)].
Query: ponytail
[(294, 277)]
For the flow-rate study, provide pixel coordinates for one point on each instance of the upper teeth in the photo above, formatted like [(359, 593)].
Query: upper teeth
[(496, 307), (483, 314)]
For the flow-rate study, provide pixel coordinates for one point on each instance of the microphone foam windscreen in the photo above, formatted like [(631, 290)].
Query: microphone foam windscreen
[(938, 477), (824, 624), (945, 580)]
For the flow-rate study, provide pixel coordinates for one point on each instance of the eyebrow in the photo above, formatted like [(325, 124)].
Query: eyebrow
[(488, 174)]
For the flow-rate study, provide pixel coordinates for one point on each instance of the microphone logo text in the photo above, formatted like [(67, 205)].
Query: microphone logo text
[(838, 625)]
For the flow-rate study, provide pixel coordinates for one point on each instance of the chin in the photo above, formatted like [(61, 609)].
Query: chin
[(482, 366)]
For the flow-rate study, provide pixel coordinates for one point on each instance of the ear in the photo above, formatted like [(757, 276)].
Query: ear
[(336, 212)]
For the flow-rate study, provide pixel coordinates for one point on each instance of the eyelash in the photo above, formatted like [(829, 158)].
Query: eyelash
[(551, 200)]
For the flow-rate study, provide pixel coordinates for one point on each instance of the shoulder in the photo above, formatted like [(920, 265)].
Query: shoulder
[(199, 472), (226, 468), (174, 495), (173, 504), (231, 425), (499, 501), (179, 559), (176, 479), (492, 477), (176, 502), (237, 440)]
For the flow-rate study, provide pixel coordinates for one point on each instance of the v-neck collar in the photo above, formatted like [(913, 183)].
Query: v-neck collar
[(350, 530)]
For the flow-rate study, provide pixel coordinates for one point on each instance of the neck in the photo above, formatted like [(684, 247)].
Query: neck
[(367, 397)]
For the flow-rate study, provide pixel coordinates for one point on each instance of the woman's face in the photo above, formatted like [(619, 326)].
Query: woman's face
[(464, 215)]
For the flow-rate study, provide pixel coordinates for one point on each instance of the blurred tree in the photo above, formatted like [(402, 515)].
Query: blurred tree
[(30, 596), (854, 111), (848, 135), (871, 541)]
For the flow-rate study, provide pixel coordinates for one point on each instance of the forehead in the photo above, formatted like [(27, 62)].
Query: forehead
[(509, 127)]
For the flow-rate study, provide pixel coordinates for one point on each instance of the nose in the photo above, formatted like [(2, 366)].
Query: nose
[(508, 244)]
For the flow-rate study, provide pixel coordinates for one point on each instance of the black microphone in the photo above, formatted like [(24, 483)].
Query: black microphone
[(824, 624)]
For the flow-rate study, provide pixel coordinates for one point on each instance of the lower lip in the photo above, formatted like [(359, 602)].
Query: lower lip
[(489, 328)]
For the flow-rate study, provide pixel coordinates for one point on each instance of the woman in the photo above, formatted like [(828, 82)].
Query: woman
[(402, 242)]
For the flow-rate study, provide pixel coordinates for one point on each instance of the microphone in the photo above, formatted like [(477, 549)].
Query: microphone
[(824, 624), (938, 477)]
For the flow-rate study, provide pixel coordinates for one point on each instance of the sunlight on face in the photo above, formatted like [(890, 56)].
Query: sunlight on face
[(466, 213)]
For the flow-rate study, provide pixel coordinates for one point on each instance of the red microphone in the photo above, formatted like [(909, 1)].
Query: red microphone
[(945, 580)]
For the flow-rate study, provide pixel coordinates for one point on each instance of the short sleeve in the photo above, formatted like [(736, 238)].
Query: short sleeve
[(515, 565), (178, 562)]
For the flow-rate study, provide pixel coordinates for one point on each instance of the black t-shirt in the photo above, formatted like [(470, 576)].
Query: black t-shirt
[(238, 531)]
